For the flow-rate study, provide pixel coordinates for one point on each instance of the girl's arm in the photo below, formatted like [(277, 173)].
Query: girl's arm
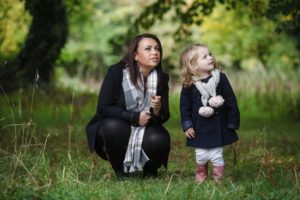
[(186, 108), (233, 114)]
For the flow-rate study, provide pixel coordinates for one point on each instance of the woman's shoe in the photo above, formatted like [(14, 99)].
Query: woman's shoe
[(116, 157), (150, 169)]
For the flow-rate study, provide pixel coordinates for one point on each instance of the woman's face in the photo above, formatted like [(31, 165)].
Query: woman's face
[(147, 54)]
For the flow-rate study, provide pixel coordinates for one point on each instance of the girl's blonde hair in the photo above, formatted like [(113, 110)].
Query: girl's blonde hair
[(188, 59)]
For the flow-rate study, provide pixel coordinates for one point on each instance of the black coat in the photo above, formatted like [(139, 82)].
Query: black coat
[(111, 103), (217, 130)]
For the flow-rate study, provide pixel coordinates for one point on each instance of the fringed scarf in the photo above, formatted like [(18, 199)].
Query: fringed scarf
[(137, 100), (208, 93)]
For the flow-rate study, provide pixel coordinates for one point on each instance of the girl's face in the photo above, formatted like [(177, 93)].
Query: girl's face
[(147, 54), (204, 62)]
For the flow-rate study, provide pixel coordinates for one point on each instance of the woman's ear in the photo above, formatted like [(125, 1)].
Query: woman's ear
[(135, 56)]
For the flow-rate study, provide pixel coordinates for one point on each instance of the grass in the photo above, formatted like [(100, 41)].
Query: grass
[(44, 154)]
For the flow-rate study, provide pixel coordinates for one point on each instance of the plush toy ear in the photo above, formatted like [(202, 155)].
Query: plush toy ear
[(206, 111), (216, 101)]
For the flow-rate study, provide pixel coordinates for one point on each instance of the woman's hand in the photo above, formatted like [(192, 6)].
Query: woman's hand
[(145, 116), (190, 133), (155, 104)]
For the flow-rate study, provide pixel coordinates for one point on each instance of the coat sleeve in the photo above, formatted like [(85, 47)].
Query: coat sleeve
[(186, 103), (108, 97), (164, 112), (233, 114)]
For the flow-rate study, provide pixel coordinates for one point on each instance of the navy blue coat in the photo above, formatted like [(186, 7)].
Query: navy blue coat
[(111, 103), (217, 130)]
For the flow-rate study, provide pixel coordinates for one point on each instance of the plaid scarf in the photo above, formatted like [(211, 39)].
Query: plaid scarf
[(137, 100)]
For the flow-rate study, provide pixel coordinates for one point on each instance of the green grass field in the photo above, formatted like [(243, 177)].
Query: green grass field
[(44, 154)]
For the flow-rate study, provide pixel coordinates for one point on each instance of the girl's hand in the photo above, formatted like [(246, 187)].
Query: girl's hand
[(145, 116), (190, 133), (155, 104)]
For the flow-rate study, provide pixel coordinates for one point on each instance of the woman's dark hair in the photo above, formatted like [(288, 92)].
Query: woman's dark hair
[(131, 63)]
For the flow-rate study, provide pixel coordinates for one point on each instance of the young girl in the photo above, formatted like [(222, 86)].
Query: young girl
[(208, 109)]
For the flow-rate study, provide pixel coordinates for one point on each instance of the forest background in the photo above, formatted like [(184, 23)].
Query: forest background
[(55, 53)]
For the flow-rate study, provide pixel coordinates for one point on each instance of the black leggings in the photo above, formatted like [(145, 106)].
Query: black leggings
[(112, 140)]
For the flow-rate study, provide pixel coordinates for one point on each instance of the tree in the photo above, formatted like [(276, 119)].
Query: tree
[(245, 42), (47, 35), (286, 13), (260, 15)]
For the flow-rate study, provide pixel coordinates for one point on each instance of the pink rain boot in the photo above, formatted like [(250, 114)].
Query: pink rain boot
[(201, 173), (218, 172)]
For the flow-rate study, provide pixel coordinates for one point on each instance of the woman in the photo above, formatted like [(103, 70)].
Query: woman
[(132, 106)]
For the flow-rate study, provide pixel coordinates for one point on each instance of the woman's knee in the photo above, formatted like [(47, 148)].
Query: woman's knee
[(156, 141), (115, 132), (157, 134)]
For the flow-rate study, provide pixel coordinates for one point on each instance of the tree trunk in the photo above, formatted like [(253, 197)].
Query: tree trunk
[(47, 35), (44, 41)]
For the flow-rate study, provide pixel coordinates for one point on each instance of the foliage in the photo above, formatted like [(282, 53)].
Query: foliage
[(193, 12), (237, 32), (287, 16), (250, 43), (93, 25), (43, 148), (14, 23), (247, 43)]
